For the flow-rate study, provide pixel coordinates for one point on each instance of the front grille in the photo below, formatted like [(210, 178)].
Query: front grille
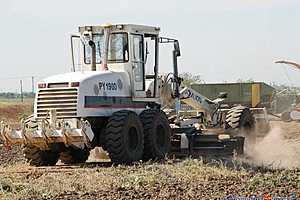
[(58, 85), (63, 100)]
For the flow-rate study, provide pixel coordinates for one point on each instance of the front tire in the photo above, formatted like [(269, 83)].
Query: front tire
[(124, 137), (37, 157), (157, 134)]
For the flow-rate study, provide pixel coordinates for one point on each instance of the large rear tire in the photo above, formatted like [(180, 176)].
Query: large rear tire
[(73, 155), (240, 119), (37, 157), (124, 137), (157, 134)]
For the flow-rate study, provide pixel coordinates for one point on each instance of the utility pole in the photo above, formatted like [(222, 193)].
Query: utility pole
[(32, 84), (21, 89)]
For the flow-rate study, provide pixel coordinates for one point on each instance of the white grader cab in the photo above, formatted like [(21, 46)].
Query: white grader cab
[(113, 99)]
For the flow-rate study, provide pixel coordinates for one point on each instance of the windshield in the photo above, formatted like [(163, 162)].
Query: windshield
[(117, 48)]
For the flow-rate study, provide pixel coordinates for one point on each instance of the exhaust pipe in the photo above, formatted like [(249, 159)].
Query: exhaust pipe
[(106, 43), (93, 61)]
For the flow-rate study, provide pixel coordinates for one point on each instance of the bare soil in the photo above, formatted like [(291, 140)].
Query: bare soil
[(12, 113), (171, 179), (187, 179)]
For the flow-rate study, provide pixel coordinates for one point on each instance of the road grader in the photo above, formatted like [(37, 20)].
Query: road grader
[(117, 98)]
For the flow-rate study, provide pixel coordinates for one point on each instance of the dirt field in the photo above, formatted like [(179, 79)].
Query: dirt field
[(273, 169), (12, 112)]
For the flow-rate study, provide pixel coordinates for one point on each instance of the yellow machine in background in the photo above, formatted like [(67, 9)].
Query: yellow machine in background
[(255, 94)]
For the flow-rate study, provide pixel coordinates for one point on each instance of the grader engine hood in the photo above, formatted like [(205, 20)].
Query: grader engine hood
[(83, 94), (59, 93)]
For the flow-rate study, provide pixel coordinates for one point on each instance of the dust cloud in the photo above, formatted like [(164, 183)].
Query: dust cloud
[(275, 151)]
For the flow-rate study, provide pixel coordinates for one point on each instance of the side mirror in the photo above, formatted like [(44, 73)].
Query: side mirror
[(91, 43), (223, 95), (177, 48)]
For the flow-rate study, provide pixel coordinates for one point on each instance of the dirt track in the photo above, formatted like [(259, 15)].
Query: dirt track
[(290, 130)]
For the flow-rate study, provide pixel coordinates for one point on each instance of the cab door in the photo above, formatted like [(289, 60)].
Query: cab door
[(138, 65)]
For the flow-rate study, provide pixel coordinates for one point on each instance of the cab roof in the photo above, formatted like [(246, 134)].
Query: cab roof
[(132, 28)]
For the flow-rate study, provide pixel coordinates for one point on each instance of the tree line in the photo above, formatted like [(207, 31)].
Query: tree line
[(12, 95)]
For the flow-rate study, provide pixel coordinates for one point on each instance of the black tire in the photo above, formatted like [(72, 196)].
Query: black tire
[(124, 137), (240, 119), (157, 134), (74, 155), (37, 157), (286, 116)]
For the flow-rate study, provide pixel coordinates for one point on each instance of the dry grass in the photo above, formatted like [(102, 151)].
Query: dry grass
[(188, 179), (12, 111)]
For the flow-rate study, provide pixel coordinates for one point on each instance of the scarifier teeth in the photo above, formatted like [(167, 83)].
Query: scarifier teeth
[(10, 135), (42, 133)]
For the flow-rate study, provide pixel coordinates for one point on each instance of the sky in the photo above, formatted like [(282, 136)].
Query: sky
[(221, 40)]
